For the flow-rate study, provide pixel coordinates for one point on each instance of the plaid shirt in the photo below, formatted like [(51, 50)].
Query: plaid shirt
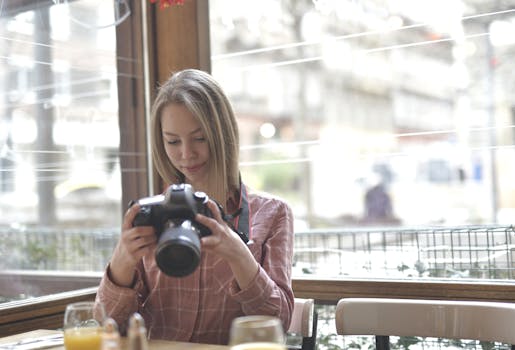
[(200, 307)]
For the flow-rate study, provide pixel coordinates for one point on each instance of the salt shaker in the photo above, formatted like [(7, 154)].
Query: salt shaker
[(137, 333), (110, 335)]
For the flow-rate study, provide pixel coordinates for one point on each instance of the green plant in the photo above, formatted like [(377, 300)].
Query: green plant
[(39, 255), (406, 342)]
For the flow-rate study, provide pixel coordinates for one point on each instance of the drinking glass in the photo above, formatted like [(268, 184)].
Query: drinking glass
[(257, 333), (83, 326)]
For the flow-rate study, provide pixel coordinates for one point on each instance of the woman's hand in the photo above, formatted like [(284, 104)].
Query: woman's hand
[(134, 243), (225, 243)]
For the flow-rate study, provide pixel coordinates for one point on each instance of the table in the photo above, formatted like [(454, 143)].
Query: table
[(152, 344)]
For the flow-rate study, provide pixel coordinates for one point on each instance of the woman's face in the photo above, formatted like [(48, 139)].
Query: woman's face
[(185, 144)]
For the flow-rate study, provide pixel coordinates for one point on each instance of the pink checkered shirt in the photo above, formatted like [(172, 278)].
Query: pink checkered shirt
[(200, 307)]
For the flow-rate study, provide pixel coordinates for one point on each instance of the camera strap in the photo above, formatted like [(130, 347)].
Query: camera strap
[(241, 218), (242, 221)]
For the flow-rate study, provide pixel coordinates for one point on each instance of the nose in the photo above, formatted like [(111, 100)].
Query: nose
[(188, 150)]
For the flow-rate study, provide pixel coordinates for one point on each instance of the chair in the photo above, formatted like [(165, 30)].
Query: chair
[(477, 320), (304, 323)]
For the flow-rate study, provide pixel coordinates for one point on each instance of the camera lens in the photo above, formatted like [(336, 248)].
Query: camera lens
[(178, 249)]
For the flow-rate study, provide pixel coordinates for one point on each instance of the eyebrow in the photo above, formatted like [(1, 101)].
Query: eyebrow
[(191, 133)]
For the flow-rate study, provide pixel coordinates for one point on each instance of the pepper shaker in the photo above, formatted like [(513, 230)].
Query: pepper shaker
[(137, 333)]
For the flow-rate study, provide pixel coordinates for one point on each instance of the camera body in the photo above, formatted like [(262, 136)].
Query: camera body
[(172, 215)]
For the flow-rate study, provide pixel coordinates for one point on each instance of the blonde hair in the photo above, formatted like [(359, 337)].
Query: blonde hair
[(204, 98)]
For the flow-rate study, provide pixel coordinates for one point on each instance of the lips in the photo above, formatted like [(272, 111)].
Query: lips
[(193, 168)]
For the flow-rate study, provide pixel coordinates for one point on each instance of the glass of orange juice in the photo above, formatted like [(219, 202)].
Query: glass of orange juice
[(83, 326)]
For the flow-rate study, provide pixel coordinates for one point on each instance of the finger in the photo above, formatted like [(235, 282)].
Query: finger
[(149, 242), (129, 216), (133, 237), (138, 252), (209, 241), (146, 237), (139, 232), (143, 248), (213, 207), (141, 245), (206, 221)]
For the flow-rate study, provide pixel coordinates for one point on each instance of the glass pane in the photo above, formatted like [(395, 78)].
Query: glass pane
[(374, 116), (60, 184)]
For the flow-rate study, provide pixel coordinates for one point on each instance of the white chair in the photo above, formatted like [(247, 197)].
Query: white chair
[(304, 323), (476, 320)]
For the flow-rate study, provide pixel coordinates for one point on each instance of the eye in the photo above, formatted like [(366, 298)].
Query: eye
[(200, 139), (172, 142)]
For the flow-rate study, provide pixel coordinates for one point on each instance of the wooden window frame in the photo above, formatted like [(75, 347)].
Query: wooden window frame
[(177, 38)]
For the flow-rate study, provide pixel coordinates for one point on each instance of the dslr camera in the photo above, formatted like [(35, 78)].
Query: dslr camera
[(172, 214)]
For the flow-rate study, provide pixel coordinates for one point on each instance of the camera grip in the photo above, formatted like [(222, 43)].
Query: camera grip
[(143, 218)]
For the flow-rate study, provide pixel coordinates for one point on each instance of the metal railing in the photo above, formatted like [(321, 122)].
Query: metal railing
[(484, 252), (56, 249)]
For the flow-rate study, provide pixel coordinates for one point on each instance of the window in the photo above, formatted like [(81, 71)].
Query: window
[(369, 115), (60, 173), (335, 100)]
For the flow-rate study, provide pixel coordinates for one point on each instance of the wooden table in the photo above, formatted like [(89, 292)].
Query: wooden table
[(152, 344)]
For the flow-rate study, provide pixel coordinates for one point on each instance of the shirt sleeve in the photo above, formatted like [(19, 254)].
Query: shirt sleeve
[(120, 302), (270, 292)]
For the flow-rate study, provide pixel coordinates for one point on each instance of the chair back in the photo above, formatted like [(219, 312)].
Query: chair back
[(477, 320), (304, 322)]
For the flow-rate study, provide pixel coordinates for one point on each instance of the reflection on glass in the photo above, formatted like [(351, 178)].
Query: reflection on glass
[(59, 168), (386, 115), (257, 332)]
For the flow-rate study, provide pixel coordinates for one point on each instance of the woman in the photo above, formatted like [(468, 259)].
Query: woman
[(195, 140)]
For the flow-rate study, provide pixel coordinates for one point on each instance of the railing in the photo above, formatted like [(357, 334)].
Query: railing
[(56, 249), (478, 252), (466, 252)]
